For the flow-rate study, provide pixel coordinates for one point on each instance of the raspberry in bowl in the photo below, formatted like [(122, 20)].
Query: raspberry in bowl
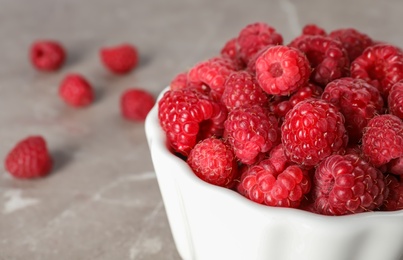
[(237, 184)]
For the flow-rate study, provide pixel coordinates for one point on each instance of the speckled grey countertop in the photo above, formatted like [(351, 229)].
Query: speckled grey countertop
[(102, 199)]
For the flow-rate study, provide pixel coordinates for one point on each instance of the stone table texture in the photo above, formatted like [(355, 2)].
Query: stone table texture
[(102, 200)]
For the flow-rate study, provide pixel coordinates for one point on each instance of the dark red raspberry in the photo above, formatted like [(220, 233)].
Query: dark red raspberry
[(242, 89), (135, 104), (256, 36), (76, 91), (313, 130), (313, 29), (213, 73), (214, 162), (357, 100), (47, 55), (395, 166), (346, 185), (29, 158), (251, 131), (395, 100), (382, 139), (120, 59), (282, 70), (189, 115), (328, 58), (380, 65), (273, 182), (353, 41), (394, 201)]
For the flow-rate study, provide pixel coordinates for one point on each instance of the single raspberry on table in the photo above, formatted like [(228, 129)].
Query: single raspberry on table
[(47, 55), (394, 201), (135, 103), (353, 41), (251, 131), (313, 130), (282, 70), (357, 100), (380, 65), (382, 139), (212, 73), (274, 182), (242, 89), (395, 100), (256, 36), (29, 158), (188, 116), (328, 58), (213, 161), (348, 184), (120, 59), (76, 91), (313, 29)]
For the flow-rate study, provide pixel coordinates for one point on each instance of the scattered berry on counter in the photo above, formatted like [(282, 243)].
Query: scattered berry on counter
[(120, 59), (29, 158), (135, 104), (76, 91), (47, 55)]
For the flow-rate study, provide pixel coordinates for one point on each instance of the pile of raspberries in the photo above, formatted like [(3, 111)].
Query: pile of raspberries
[(315, 124)]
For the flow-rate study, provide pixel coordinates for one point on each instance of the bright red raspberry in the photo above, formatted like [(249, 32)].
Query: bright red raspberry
[(380, 65), (348, 184), (251, 131), (231, 51), (189, 115), (382, 139), (213, 73), (272, 184), (213, 161), (353, 41), (179, 81), (251, 66), (395, 100), (135, 104), (394, 201), (313, 29), (313, 130), (242, 89), (76, 91), (120, 59), (256, 36), (328, 58), (357, 100), (29, 158), (282, 70), (47, 55)]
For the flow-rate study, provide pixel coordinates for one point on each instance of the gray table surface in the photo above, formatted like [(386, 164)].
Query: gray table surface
[(102, 199)]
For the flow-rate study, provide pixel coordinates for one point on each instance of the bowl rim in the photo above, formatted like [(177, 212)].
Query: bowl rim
[(157, 140)]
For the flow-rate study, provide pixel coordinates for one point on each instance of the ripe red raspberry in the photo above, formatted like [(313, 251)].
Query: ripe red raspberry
[(357, 100), (328, 59), (353, 41), (29, 158), (256, 36), (214, 162), (282, 70), (382, 139), (395, 166), (120, 59), (251, 131), (242, 89), (76, 91), (47, 55), (346, 185), (136, 103), (189, 115), (213, 73), (313, 130), (313, 29), (231, 51), (380, 65), (395, 100), (394, 201), (278, 185), (251, 66), (179, 81)]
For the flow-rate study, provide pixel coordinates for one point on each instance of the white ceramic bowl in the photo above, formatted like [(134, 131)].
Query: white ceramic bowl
[(214, 223)]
